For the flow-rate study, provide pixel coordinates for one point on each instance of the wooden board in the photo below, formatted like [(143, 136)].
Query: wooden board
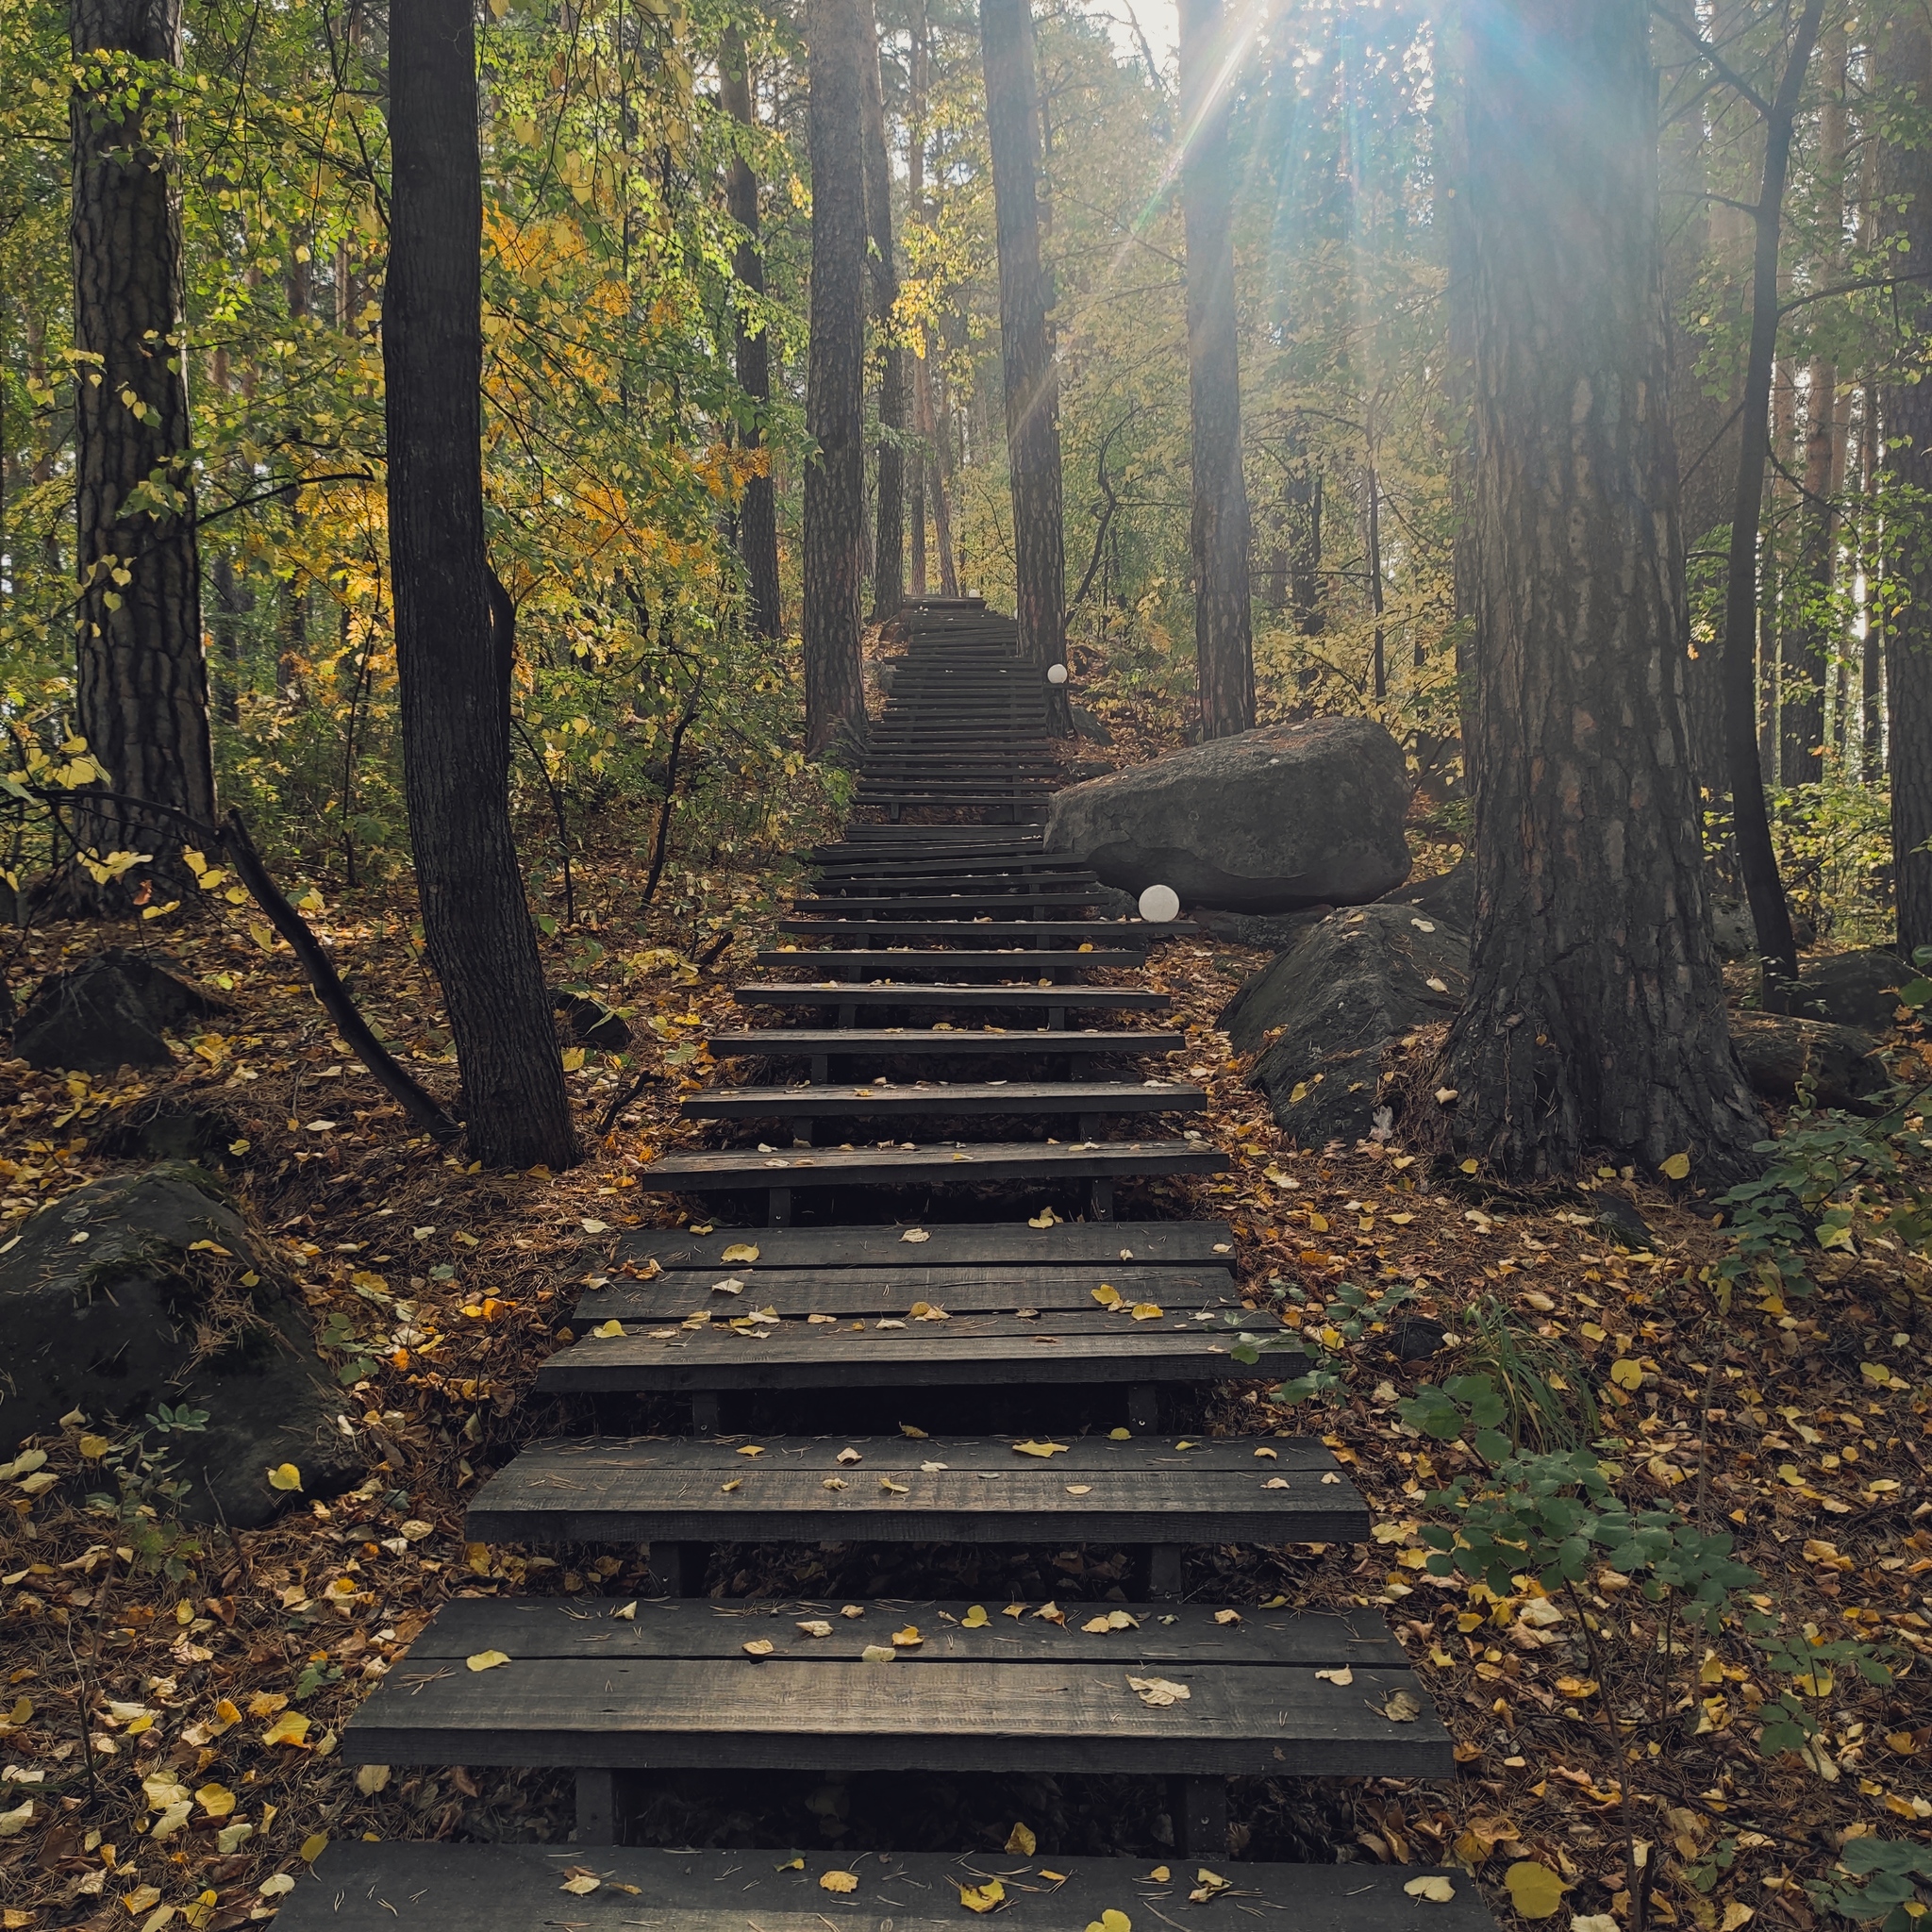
[(833, 992), (463, 1888), (903, 964), (1143, 1491), (981, 932), (972, 1160), (961, 905), (884, 1042), (972, 1351), (1028, 1098), (796, 1711), (962, 1289), (991, 1244), (1164, 1637)]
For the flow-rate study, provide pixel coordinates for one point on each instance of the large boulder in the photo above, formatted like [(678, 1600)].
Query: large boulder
[(111, 1011), (1857, 989), (1834, 1064), (1322, 1016), (146, 1288), (1448, 895), (1289, 815)]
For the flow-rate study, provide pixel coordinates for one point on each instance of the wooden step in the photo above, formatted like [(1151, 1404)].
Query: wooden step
[(891, 1101), (495, 1888), (876, 1042), (961, 905), (1038, 1161), (992, 1244), (902, 963), (1143, 1491), (937, 873), (981, 932), (856, 1329), (1018, 999)]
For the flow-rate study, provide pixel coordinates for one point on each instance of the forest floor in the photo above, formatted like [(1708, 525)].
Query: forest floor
[(1804, 1433)]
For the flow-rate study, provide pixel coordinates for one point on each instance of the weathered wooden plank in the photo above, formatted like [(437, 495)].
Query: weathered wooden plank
[(1023, 999), (903, 964), (982, 1716), (793, 1042), (990, 1352), (608, 1492), (952, 904), (833, 1167), (981, 932), (992, 1244), (888, 1101), (962, 1287), (1161, 1635)]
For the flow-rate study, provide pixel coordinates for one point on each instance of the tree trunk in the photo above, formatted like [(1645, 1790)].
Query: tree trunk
[(757, 517), (1218, 530), (889, 544), (838, 41), (939, 438), (1872, 563), (920, 36), (453, 662), (1764, 887), (1595, 1014), (1906, 408), (141, 685), (1027, 352)]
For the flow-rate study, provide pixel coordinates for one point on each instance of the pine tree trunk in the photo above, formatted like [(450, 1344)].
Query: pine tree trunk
[(758, 516), (889, 544), (453, 662), (1030, 376), (1906, 408), (1595, 1014), (141, 685), (837, 41), (1218, 531), (919, 33)]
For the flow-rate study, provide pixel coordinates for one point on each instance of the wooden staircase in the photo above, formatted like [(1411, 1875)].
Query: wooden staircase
[(930, 925)]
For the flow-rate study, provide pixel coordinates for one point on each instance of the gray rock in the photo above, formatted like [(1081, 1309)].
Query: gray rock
[(1289, 815), (108, 1308), (591, 1022), (1277, 933), (1853, 989), (1450, 896), (1781, 1052), (1322, 1016), (1087, 727), (1731, 927), (109, 1012)]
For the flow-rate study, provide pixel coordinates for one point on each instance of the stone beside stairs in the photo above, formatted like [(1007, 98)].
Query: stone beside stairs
[(948, 990)]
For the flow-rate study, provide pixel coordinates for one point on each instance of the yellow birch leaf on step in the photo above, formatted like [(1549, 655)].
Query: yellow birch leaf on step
[(1040, 1449), (816, 1627), (608, 1331), (907, 1639), (1160, 1875), (837, 1881), (487, 1660), (915, 1235), (1022, 1843), (1401, 1708), (916, 1435), (1436, 1888), (737, 1482), (1108, 1295), (1045, 1218), (1047, 1613), (983, 1898), (1268, 1455), (1111, 1921), (739, 1251), (892, 1489), (1148, 1311), (1341, 1674), (791, 1865), (1014, 1610), (1079, 1488), (835, 1482), (582, 1884), (753, 1449), (1158, 1692), (878, 1654), (1096, 1626), (1534, 1889), (1227, 1616), (976, 1619), (760, 1646), (1120, 1435)]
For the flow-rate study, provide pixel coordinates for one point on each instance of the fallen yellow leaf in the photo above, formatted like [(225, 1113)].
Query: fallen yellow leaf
[(1042, 1449), (983, 1898), (837, 1881), (1534, 1889), (1022, 1843), (740, 1251), (285, 1476)]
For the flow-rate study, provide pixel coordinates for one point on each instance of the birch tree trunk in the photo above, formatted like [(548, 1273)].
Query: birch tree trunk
[(1594, 1021), (889, 542)]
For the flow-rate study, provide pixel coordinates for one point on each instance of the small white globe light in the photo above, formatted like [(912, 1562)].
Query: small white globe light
[(1159, 904), (1056, 674)]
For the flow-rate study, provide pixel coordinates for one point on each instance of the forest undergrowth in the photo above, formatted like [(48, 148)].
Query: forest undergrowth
[(177, 1696)]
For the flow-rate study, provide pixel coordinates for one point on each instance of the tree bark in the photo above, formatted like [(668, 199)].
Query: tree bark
[(1906, 409), (453, 654), (141, 685), (837, 40), (1809, 632), (919, 34), (1595, 1014), (757, 517), (1027, 352), (889, 544), (1217, 533), (1764, 887)]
